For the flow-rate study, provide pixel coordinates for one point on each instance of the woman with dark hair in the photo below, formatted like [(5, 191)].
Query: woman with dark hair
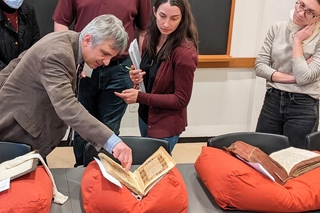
[(169, 60), (289, 60), (19, 29)]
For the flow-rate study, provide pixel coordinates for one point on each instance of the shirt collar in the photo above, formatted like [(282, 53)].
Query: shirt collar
[(79, 59)]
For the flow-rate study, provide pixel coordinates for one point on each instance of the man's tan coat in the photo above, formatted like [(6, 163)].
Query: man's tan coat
[(37, 99)]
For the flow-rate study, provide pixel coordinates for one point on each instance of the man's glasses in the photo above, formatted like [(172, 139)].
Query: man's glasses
[(307, 13)]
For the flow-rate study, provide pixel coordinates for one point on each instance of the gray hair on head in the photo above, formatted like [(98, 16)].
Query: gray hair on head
[(107, 27)]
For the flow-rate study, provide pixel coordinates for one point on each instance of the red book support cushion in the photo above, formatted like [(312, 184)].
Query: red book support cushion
[(30, 193), (99, 195), (236, 185)]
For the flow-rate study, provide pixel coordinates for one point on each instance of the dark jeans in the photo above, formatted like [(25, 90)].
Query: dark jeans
[(96, 94), (291, 114)]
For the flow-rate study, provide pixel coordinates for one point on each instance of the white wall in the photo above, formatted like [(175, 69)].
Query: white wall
[(229, 100)]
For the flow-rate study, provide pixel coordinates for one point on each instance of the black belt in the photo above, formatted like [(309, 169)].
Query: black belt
[(278, 91), (281, 92), (117, 61)]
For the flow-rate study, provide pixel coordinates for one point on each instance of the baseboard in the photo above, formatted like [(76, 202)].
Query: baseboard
[(193, 139), (65, 143)]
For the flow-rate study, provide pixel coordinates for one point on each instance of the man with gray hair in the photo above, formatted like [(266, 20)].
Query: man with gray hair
[(97, 87), (37, 96)]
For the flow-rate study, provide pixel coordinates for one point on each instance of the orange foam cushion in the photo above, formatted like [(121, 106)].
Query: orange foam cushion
[(99, 195), (30, 193), (236, 185)]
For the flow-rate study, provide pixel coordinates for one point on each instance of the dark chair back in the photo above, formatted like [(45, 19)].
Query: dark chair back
[(268, 143), (142, 148), (313, 141), (10, 150)]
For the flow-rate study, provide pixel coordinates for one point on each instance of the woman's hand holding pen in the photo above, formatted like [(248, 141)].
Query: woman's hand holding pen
[(136, 76)]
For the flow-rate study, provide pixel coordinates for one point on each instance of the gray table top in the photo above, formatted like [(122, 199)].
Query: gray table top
[(200, 200)]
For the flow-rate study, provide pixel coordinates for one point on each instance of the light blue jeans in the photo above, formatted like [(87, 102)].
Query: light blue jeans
[(144, 129)]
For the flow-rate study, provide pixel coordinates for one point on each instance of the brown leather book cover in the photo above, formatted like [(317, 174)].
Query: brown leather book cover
[(290, 163)]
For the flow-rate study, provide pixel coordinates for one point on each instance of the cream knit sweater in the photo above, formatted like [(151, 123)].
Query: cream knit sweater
[(276, 55)]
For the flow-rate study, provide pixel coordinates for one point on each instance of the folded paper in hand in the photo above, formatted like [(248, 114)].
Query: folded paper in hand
[(281, 165), (145, 176), (136, 59)]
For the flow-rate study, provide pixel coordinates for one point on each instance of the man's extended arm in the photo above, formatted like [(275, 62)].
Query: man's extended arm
[(60, 27)]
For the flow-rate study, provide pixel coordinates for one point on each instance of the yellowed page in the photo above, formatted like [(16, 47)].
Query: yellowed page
[(289, 157), (154, 168), (118, 172)]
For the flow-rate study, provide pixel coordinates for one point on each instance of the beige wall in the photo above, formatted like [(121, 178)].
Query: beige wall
[(229, 100)]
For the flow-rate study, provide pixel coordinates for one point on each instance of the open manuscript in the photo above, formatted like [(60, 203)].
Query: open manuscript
[(145, 176), (279, 166)]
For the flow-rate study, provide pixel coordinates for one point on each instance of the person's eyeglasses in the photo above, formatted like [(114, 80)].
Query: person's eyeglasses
[(307, 13)]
